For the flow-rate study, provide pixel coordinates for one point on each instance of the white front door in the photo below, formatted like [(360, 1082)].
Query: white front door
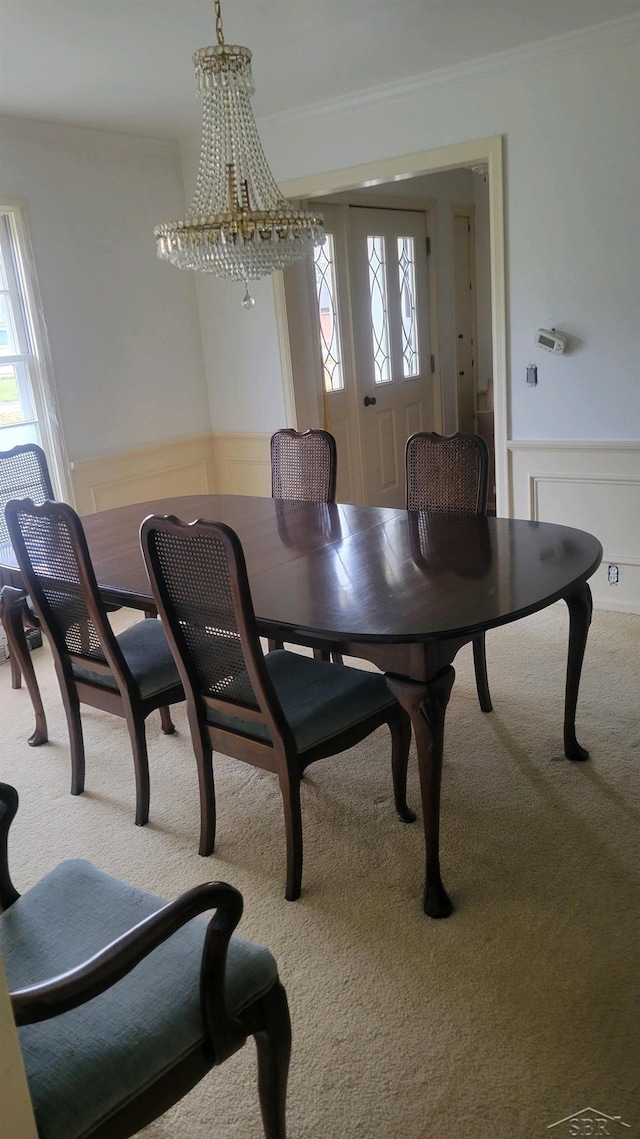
[(359, 324), (388, 275)]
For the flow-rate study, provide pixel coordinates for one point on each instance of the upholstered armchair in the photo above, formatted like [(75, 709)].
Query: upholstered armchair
[(124, 1001)]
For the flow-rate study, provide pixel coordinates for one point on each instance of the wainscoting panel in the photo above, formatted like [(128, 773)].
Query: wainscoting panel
[(242, 463), (222, 463), (184, 466), (594, 487)]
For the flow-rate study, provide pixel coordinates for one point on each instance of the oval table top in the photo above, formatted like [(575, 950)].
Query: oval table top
[(357, 573)]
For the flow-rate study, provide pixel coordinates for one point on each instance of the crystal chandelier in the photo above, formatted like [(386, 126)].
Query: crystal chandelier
[(239, 225)]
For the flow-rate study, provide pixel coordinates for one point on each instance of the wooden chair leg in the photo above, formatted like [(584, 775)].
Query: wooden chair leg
[(273, 1045), (272, 645), (290, 789), (11, 610), (322, 654), (76, 739), (400, 743), (138, 736), (206, 784), (16, 674), (168, 725), (480, 665)]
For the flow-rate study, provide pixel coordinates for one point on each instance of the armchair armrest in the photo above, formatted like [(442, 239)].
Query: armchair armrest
[(8, 809), (77, 986)]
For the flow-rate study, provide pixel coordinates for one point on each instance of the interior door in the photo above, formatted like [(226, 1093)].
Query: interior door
[(388, 273)]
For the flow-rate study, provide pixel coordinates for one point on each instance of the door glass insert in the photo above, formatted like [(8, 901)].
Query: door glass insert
[(379, 309), (326, 292), (407, 286)]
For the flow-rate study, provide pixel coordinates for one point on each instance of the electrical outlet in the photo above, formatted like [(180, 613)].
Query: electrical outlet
[(613, 574)]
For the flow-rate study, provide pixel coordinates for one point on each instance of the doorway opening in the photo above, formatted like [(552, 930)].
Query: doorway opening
[(396, 183)]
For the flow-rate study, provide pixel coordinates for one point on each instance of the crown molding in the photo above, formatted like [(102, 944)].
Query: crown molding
[(569, 43)]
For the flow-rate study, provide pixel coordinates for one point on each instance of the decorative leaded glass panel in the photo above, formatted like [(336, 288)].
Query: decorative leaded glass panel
[(379, 309), (326, 291), (407, 285)]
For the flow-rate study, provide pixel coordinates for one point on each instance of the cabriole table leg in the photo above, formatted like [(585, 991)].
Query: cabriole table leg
[(580, 606), (426, 704)]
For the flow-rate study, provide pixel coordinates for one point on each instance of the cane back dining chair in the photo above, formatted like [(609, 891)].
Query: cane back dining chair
[(24, 472), (304, 468), (304, 465), (131, 674), (280, 711), (124, 1002), (450, 474)]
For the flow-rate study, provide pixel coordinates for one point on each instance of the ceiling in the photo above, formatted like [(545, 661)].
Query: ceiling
[(125, 65)]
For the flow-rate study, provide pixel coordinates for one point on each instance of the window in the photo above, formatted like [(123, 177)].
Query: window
[(26, 395), (407, 286), (326, 292), (379, 309)]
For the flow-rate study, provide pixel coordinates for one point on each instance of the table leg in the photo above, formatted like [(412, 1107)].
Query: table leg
[(580, 606), (426, 704), (12, 602)]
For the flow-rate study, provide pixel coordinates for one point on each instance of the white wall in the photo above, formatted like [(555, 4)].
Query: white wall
[(240, 346), (123, 326), (241, 356), (572, 129)]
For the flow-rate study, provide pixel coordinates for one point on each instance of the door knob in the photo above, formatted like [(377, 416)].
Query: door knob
[(369, 399)]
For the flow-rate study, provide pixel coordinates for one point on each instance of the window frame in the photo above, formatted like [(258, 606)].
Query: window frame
[(33, 340)]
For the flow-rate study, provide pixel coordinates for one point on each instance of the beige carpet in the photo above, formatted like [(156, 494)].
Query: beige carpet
[(517, 1011)]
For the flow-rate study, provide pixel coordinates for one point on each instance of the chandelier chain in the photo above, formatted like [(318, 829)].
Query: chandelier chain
[(219, 23)]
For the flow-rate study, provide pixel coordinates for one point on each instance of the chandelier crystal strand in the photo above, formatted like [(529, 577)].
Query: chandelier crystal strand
[(239, 225)]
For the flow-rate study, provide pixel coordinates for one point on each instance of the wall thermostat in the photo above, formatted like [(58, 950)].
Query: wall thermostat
[(551, 340)]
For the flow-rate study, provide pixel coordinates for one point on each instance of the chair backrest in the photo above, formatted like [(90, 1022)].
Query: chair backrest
[(54, 559), (199, 579), (446, 473), (304, 465), (24, 473)]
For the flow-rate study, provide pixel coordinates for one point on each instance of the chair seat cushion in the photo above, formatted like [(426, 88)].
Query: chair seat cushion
[(84, 1064), (319, 700), (146, 651)]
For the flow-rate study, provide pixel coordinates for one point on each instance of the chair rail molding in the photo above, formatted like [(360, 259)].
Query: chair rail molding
[(594, 486)]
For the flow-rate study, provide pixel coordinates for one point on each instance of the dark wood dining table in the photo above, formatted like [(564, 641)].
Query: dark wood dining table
[(402, 589)]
